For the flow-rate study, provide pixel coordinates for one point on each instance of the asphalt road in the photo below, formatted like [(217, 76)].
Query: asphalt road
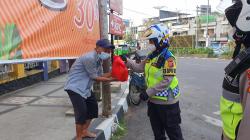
[(200, 82)]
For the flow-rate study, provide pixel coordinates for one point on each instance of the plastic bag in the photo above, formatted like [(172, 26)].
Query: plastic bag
[(119, 69)]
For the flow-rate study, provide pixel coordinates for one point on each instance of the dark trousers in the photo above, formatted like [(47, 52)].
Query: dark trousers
[(84, 109), (165, 119)]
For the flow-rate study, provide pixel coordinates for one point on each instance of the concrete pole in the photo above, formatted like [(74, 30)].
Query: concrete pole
[(106, 90), (207, 24), (196, 32), (103, 16)]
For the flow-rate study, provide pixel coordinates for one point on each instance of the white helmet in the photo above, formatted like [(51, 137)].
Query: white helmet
[(159, 33), (224, 4), (238, 15)]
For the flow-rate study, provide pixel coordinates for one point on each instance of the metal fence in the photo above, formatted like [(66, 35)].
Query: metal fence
[(5, 70), (30, 66)]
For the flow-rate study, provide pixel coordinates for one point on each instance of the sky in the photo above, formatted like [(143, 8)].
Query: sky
[(136, 10)]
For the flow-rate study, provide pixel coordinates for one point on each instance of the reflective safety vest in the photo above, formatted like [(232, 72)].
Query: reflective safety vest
[(155, 75), (230, 107)]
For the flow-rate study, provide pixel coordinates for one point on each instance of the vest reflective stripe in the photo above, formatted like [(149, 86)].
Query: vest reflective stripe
[(173, 89), (154, 76), (230, 108), (231, 96)]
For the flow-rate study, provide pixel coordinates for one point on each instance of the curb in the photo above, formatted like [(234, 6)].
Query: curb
[(189, 57), (108, 125), (104, 127)]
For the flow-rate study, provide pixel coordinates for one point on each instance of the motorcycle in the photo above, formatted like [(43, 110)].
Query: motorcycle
[(137, 81)]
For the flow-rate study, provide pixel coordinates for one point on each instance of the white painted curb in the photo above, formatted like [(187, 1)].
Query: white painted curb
[(109, 125)]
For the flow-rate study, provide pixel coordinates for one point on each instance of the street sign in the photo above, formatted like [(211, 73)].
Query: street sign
[(116, 5), (116, 26)]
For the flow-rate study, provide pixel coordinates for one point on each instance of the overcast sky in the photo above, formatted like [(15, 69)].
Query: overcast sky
[(136, 10)]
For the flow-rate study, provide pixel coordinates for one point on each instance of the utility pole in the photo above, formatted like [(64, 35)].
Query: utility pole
[(177, 17), (106, 90), (103, 16), (112, 36), (196, 32), (207, 23), (112, 41)]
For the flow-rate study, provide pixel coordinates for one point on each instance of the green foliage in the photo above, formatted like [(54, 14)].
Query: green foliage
[(9, 46), (227, 55), (191, 51), (231, 45), (120, 132), (182, 41), (129, 39)]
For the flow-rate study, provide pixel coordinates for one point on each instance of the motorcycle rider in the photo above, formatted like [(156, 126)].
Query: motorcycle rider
[(235, 103)]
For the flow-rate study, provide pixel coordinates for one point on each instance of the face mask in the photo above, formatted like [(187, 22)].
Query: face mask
[(151, 48), (104, 56)]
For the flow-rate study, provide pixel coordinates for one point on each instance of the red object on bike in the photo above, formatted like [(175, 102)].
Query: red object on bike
[(119, 69)]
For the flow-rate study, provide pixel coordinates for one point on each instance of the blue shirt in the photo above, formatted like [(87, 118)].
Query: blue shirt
[(82, 73)]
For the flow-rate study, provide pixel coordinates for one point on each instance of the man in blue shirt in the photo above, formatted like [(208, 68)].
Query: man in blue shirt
[(85, 70)]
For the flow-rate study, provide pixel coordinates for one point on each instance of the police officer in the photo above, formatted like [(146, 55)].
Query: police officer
[(235, 103), (162, 85)]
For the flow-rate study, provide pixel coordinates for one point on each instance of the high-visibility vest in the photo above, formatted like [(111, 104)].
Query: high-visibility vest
[(230, 107), (154, 76)]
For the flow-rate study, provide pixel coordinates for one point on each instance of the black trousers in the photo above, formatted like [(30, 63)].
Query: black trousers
[(84, 109), (165, 119)]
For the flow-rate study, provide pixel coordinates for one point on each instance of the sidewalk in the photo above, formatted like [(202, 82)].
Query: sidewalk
[(38, 112)]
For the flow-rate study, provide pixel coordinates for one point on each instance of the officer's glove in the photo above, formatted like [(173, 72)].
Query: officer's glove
[(144, 96), (124, 58)]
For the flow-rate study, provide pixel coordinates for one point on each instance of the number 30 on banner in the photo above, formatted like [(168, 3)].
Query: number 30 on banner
[(88, 13)]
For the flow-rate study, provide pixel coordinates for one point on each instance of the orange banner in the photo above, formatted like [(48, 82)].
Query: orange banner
[(47, 28)]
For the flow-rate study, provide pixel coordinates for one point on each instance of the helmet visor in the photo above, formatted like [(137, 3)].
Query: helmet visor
[(147, 34)]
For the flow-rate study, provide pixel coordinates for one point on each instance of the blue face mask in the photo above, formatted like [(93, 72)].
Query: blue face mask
[(104, 56)]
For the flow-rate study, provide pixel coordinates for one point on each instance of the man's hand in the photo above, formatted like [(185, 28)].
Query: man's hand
[(108, 75), (104, 79), (144, 96), (111, 79)]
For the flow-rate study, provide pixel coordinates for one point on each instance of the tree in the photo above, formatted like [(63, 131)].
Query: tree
[(128, 38)]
